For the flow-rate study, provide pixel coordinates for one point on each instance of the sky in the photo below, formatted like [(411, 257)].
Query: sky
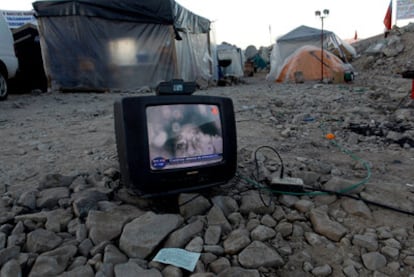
[(261, 22)]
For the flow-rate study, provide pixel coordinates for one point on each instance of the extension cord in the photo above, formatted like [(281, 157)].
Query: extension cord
[(287, 184)]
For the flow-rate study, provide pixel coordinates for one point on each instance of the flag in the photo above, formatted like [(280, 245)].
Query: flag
[(388, 17), (356, 35)]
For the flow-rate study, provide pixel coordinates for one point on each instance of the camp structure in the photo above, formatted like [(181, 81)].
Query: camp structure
[(305, 64), (230, 61), (125, 44), (288, 45)]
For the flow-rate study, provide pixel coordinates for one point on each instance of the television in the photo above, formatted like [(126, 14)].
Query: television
[(175, 143)]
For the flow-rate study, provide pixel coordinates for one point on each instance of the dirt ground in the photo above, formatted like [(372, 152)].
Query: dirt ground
[(74, 133)]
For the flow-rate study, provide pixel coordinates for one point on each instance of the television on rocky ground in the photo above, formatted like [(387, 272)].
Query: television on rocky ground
[(169, 144)]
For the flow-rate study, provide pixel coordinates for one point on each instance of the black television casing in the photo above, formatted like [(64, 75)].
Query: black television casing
[(133, 147)]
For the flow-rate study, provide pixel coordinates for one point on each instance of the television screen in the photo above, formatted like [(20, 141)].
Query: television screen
[(175, 143), (184, 135)]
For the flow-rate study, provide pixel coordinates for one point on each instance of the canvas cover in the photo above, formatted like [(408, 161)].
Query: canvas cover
[(230, 52), (126, 44), (287, 45), (305, 64)]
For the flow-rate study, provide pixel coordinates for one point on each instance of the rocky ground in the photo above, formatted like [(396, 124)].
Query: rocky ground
[(64, 211)]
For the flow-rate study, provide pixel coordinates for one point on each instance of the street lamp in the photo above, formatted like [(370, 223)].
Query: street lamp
[(322, 15)]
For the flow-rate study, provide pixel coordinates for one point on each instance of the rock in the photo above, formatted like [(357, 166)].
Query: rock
[(8, 253), (322, 271), (84, 271), (368, 242), (28, 199), (212, 235), (339, 184), (195, 245), (49, 198), (192, 204), (105, 226), (87, 200), (57, 220), (182, 236), (219, 265), (113, 255), (11, 268), (42, 240), (140, 237), (236, 241), (323, 225), (55, 180), (284, 228), (216, 217), (54, 262), (374, 260), (238, 271), (227, 204), (258, 254), (252, 202), (357, 208), (132, 269), (262, 233)]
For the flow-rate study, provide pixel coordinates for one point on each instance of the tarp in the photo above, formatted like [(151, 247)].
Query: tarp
[(230, 52), (301, 36), (305, 64), (124, 44)]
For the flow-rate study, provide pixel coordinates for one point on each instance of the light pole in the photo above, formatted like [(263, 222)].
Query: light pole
[(322, 15)]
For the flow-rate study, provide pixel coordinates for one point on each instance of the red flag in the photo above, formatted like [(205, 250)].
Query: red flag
[(388, 17)]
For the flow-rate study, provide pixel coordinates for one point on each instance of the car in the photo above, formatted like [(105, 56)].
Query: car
[(8, 60)]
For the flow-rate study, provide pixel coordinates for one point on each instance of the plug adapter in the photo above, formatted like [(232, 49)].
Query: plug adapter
[(287, 184)]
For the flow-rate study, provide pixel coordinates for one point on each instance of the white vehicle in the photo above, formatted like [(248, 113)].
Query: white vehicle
[(8, 59)]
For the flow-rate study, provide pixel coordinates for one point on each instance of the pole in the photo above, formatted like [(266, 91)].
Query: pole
[(322, 50)]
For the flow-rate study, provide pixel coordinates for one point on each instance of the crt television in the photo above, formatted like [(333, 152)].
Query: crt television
[(175, 143)]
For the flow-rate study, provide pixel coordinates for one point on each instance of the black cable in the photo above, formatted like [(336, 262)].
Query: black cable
[(340, 194), (282, 167)]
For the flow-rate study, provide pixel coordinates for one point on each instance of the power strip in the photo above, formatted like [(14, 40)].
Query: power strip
[(287, 184)]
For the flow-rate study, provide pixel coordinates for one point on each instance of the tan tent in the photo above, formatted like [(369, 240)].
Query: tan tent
[(305, 65)]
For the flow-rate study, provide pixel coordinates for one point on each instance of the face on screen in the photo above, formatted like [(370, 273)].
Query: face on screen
[(184, 135)]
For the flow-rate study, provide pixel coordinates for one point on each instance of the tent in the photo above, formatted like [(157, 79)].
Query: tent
[(126, 44), (305, 64), (230, 61), (288, 44)]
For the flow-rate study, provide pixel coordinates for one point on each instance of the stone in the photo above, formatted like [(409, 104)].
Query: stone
[(237, 271), (236, 241), (253, 202), (172, 271), (368, 242), (262, 233), (57, 220), (227, 204), (322, 271), (28, 199), (113, 255), (216, 217), (84, 271), (304, 205), (374, 260), (85, 247), (212, 235), (350, 271), (268, 221), (54, 262), (132, 269), (10, 269), (180, 237), (87, 200), (105, 226), (41, 240), (8, 253), (258, 254), (55, 180), (195, 245), (323, 225), (219, 265), (192, 204), (140, 237), (356, 207), (49, 198), (284, 228)]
